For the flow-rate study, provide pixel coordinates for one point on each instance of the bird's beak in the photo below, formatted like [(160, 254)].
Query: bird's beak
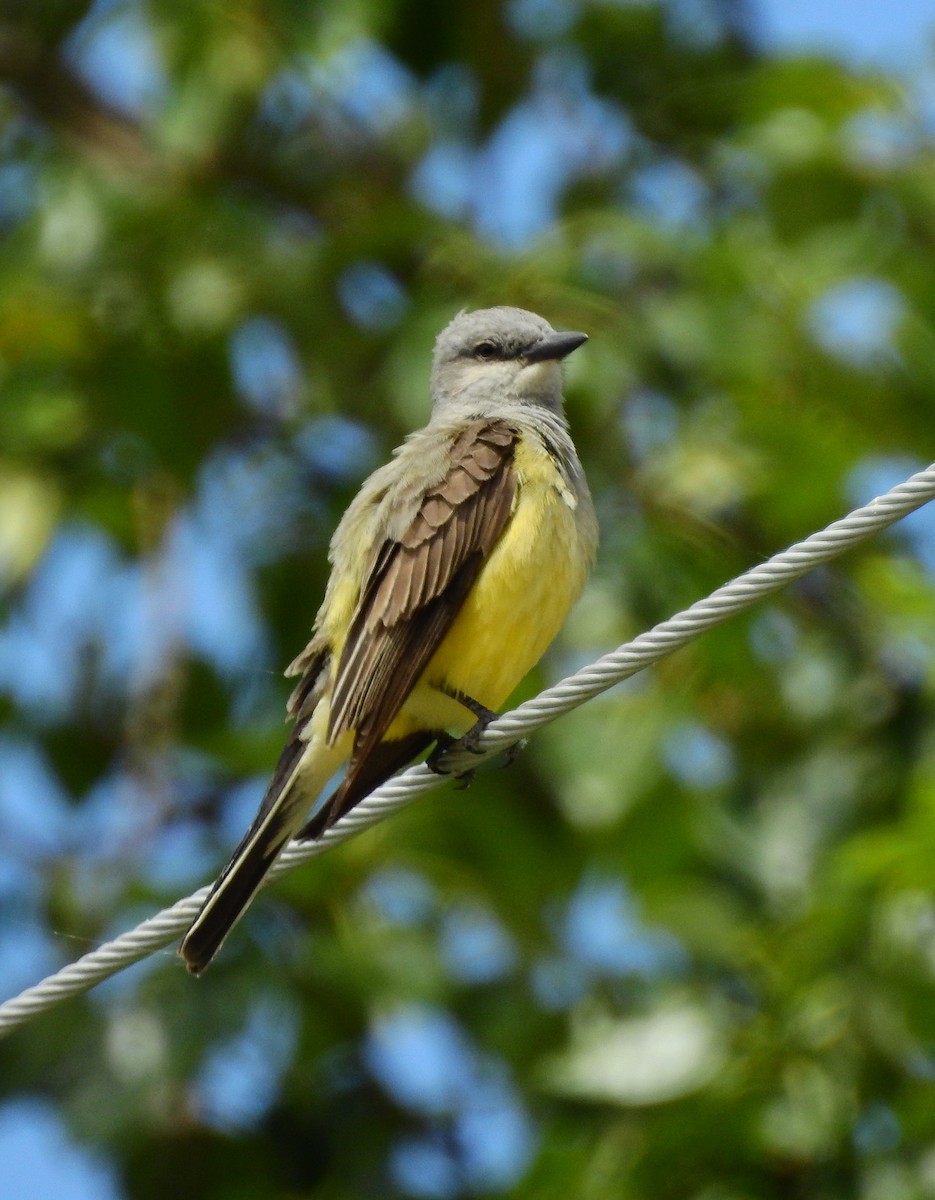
[(554, 345)]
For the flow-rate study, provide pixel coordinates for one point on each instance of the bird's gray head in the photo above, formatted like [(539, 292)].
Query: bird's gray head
[(497, 355)]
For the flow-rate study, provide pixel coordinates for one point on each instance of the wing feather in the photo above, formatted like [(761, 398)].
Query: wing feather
[(417, 584)]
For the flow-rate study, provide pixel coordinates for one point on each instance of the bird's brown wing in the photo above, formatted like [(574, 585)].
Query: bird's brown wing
[(416, 585)]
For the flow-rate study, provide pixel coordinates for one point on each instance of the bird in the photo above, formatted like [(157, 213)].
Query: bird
[(452, 570)]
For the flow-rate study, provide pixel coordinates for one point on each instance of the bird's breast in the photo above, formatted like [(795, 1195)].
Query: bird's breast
[(521, 597)]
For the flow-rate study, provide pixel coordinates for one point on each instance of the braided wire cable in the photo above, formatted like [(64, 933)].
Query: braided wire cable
[(732, 598)]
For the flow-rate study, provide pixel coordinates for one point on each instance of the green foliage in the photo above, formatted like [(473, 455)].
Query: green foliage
[(685, 946)]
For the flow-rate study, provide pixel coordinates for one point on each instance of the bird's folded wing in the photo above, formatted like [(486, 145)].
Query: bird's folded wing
[(417, 584)]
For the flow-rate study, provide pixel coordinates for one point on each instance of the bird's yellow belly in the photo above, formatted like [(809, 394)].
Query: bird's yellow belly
[(515, 608)]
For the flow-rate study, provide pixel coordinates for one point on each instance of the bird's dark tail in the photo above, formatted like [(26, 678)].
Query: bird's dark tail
[(300, 774)]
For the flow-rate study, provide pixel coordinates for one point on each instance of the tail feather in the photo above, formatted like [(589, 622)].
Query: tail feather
[(302, 771), (228, 901), (299, 776)]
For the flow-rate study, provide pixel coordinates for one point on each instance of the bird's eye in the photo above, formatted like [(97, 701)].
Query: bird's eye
[(485, 350)]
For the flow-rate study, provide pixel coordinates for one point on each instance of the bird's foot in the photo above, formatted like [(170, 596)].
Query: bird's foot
[(436, 762), (469, 742), (512, 752)]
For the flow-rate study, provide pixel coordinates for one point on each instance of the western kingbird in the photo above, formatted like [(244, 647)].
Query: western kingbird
[(451, 572)]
